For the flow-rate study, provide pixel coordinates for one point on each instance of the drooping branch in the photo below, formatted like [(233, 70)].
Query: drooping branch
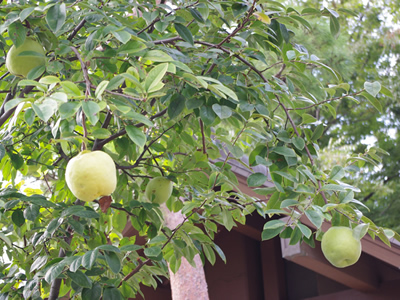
[(240, 27), (306, 148), (4, 116)]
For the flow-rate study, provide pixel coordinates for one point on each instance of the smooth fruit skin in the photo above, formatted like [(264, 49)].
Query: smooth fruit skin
[(90, 175), (159, 189), (339, 246), (22, 65)]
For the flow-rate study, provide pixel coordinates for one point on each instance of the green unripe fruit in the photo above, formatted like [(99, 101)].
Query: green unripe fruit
[(20, 64), (340, 247), (159, 189)]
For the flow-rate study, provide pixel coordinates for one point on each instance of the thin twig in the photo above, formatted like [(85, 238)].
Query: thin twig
[(307, 150), (240, 27), (87, 92), (123, 131), (327, 100), (203, 138)]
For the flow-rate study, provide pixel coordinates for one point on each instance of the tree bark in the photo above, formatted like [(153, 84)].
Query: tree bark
[(188, 283)]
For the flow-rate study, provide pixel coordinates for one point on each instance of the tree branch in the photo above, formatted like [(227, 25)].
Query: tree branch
[(123, 131), (4, 117)]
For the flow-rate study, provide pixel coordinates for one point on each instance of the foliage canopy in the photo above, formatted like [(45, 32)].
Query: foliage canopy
[(175, 89)]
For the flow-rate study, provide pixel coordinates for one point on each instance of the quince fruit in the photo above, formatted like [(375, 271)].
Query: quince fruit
[(159, 189), (21, 65), (90, 175), (340, 247)]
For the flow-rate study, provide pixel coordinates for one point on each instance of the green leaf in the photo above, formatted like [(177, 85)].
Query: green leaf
[(239, 9), (54, 271), (286, 175), (265, 191), (16, 160), (227, 91), (100, 89), (110, 248), (113, 261), (304, 230), (133, 46), (130, 248), (56, 16), (289, 202), (38, 263), (79, 211), (346, 196), (31, 212), (75, 265), (154, 251), (285, 151), (176, 106), (25, 13), (80, 279), (46, 109), (197, 15), (2, 151), (227, 219), (71, 88), (337, 173), (49, 80), (101, 133), (136, 135), (93, 293), (315, 218), (121, 35), (298, 142), (360, 230), (385, 91), (332, 187), (18, 217), (89, 258), (295, 236), (91, 110), (53, 225), (17, 33), (272, 229), (112, 294), (334, 26), (157, 56), (184, 32), (372, 88), (256, 179), (5, 239), (222, 112), (155, 75), (319, 130), (68, 109), (220, 252), (115, 82), (209, 253), (375, 102)]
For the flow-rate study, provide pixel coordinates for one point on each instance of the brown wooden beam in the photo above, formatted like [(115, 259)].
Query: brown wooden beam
[(249, 231), (273, 270), (388, 291), (361, 276)]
